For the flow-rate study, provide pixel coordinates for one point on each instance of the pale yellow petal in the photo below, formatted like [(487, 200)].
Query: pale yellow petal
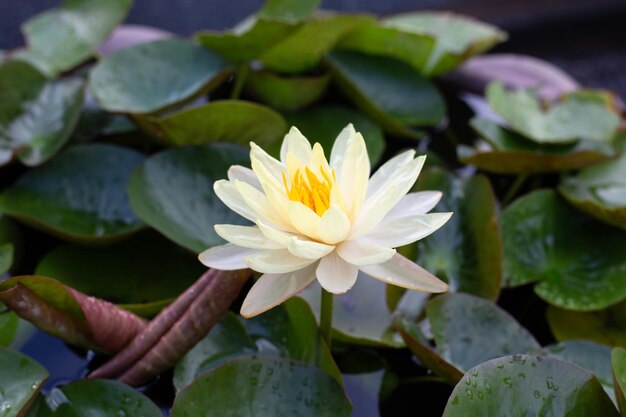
[(402, 272), (297, 144), (226, 257), (338, 151), (304, 220), (276, 261), (273, 289), (259, 203), (354, 175), (362, 252), (228, 193), (318, 162), (278, 236), (334, 226), (385, 174), (308, 249), (380, 203), (245, 236), (400, 231), (415, 203), (336, 275), (237, 172)]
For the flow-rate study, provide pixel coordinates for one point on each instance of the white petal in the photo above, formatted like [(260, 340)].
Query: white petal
[(354, 174), (226, 257), (402, 272), (401, 231), (261, 206), (246, 236), (278, 236), (379, 204), (237, 172), (386, 172), (339, 147), (227, 192), (273, 289), (334, 226), (276, 261), (415, 203), (297, 144), (271, 166), (362, 252), (308, 249), (304, 220), (336, 275)]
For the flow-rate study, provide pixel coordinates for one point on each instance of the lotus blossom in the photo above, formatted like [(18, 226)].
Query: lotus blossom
[(315, 218)]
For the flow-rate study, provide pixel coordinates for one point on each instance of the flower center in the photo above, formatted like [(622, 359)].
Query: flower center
[(311, 190)]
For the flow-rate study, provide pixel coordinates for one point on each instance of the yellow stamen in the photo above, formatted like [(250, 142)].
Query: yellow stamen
[(309, 189)]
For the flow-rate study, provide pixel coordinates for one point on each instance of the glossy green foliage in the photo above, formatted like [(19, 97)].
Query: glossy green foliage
[(21, 379)]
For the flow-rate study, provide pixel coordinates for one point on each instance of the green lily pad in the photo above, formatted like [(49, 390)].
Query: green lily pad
[(606, 326), (157, 272), (467, 250), (578, 261), (361, 315), (508, 152), (293, 11), (592, 356), (36, 116), (390, 91), (304, 48), (289, 331), (8, 326), (97, 398), (21, 379), (579, 115), (234, 121), (251, 385), (6, 257), (61, 38), (618, 359), (286, 93), (469, 330), (80, 195), (525, 385), (432, 42), (600, 191), (248, 40), (173, 192), (10, 244), (322, 124), (141, 79)]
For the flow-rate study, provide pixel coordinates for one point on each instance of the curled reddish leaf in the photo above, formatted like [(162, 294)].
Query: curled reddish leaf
[(72, 316)]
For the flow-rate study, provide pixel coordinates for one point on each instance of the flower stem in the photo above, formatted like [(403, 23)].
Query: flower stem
[(240, 79), (326, 317)]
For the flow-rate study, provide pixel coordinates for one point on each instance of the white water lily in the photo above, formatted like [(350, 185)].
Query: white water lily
[(326, 220)]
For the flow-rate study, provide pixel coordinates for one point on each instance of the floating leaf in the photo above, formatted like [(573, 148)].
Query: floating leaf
[(303, 49), (433, 42), (173, 192), (143, 283), (96, 398), (322, 124), (360, 316), (293, 11), (248, 40), (8, 326), (469, 330), (618, 359), (287, 93), (525, 385), (36, 116), (21, 379), (579, 115), (68, 314), (592, 356), (467, 250), (79, 196), (256, 384), (600, 191), (605, 326), (289, 330), (542, 242), (234, 121), (141, 79), (511, 153), (390, 91), (59, 39)]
